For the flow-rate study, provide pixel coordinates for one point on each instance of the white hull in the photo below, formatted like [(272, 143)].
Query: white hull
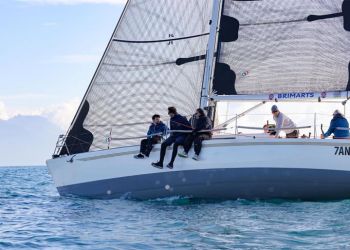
[(229, 169)]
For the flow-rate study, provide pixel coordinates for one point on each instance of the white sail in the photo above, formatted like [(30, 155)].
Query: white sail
[(142, 73), (279, 51)]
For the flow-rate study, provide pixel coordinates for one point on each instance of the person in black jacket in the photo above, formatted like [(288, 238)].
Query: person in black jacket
[(156, 130), (177, 122), (199, 122)]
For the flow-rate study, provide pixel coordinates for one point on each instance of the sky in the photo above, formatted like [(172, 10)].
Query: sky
[(49, 50)]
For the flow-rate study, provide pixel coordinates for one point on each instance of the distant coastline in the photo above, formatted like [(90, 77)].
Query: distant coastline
[(28, 166)]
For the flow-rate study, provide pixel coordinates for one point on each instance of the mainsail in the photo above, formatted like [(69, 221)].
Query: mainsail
[(150, 64), (283, 46)]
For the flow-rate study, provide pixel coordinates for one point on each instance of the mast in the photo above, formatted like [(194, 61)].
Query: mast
[(210, 62)]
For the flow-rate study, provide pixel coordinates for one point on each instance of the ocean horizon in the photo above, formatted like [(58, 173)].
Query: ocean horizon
[(23, 166), (34, 216)]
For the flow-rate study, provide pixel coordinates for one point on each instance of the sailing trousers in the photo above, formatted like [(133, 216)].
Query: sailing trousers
[(294, 134), (197, 139), (147, 145), (177, 141)]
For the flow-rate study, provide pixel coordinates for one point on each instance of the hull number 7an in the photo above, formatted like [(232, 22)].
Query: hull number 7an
[(342, 150)]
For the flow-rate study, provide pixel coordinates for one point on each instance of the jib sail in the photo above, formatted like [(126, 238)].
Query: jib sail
[(150, 63)]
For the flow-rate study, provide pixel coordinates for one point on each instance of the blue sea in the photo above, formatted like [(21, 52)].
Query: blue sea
[(34, 216)]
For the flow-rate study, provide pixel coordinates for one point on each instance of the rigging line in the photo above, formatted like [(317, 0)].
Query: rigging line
[(179, 123), (137, 137), (160, 41), (259, 128), (127, 124), (115, 125), (236, 117), (168, 132), (84, 142)]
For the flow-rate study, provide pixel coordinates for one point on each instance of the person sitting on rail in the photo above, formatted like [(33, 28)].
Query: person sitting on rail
[(199, 121), (177, 122), (339, 126), (283, 121), (154, 135)]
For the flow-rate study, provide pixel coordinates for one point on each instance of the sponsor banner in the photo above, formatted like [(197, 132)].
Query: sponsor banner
[(309, 95), (293, 96)]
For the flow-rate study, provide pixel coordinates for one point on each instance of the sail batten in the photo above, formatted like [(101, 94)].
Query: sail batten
[(160, 40)]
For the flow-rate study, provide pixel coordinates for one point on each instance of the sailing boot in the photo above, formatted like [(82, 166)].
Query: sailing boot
[(183, 154), (157, 165), (170, 165), (195, 157), (139, 156)]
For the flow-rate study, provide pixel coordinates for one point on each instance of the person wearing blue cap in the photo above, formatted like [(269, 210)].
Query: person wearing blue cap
[(283, 121)]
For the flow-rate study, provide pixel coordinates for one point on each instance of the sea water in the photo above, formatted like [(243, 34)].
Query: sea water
[(34, 216)]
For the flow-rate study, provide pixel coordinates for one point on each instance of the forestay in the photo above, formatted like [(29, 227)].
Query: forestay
[(280, 46), (142, 73)]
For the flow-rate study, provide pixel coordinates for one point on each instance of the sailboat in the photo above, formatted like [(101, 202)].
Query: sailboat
[(198, 53)]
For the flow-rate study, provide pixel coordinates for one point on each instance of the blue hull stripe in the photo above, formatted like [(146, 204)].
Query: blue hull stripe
[(230, 183)]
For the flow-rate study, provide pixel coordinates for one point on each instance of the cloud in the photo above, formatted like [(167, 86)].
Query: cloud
[(59, 114), (76, 58), (3, 112), (73, 2), (33, 136), (62, 115), (24, 96)]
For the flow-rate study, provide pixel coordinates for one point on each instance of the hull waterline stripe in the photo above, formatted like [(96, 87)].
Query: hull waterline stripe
[(225, 183)]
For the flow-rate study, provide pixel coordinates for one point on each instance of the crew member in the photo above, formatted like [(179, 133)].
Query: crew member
[(339, 126), (154, 135), (177, 122), (283, 121), (199, 122)]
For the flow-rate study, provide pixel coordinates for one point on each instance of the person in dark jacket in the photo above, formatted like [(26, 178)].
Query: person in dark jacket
[(154, 135), (177, 122), (199, 122), (339, 126)]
